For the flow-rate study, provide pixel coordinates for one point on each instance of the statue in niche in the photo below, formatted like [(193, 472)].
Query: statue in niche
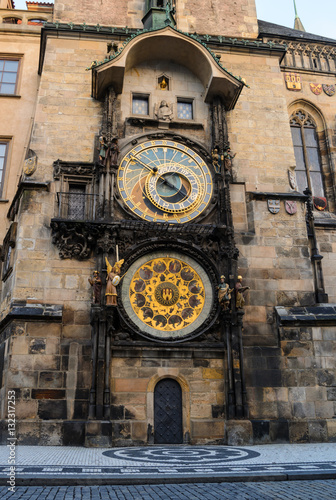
[(163, 111), (114, 152), (228, 157), (224, 294), (217, 160), (240, 289), (96, 284), (112, 281), (103, 147)]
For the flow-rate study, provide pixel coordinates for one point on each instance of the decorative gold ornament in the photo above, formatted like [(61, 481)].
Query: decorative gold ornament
[(163, 84), (293, 81), (29, 166), (167, 294)]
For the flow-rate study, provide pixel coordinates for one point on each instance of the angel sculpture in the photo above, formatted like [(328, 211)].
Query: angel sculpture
[(112, 281), (164, 111)]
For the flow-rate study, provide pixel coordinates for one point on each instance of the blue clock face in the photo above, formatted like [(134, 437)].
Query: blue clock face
[(164, 181)]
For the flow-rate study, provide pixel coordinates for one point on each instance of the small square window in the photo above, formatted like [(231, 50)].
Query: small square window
[(185, 109), (140, 105), (8, 76)]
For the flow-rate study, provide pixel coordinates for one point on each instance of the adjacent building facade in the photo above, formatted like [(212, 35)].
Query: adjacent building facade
[(169, 232)]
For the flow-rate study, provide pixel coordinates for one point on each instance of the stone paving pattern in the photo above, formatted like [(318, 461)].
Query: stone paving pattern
[(293, 490)]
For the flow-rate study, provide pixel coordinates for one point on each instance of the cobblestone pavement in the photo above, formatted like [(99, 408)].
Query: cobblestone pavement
[(281, 490), (122, 465)]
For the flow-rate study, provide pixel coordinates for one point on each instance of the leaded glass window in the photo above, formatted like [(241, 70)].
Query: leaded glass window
[(307, 154)]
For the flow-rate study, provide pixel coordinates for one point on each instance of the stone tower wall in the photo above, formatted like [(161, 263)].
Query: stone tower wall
[(215, 17)]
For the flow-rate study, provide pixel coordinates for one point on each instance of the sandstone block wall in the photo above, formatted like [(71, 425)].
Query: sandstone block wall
[(50, 371), (201, 378), (104, 12), (274, 257), (291, 387), (231, 18), (322, 109), (327, 246)]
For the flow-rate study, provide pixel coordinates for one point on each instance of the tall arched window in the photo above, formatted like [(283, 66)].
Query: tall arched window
[(307, 153)]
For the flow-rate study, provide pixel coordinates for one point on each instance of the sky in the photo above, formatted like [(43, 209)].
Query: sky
[(318, 17)]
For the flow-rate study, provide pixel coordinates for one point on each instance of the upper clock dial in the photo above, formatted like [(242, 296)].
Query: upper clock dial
[(165, 181)]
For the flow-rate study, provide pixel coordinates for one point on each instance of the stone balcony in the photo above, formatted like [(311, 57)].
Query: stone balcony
[(14, 18)]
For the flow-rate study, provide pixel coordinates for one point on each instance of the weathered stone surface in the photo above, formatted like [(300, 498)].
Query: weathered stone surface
[(279, 431), (51, 434), (261, 431), (239, 432), (37, 346), (208, 430), (73, 433), (54, 410), (298, 432), (98, 434), (318, 432), (331, 428), (51, 380), (139, 432)]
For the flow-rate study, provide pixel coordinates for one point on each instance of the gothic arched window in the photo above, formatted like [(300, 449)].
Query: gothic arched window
[(307, 153)]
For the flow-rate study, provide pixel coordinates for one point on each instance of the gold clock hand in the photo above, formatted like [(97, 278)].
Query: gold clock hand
[(154, 169)]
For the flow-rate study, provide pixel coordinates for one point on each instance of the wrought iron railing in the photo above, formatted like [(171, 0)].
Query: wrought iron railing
[(79, 206)]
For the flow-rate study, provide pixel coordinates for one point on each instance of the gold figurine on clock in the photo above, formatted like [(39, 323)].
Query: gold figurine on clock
[(164, 181)]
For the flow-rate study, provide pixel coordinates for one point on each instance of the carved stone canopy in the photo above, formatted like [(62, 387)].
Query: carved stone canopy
[(171, 45)]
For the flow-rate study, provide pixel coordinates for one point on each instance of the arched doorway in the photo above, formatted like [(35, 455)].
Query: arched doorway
[(168, 412)]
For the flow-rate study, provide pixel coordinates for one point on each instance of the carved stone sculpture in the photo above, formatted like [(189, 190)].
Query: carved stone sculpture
[(224, 294), (240, 289), (217, 160), (228, 157), (96, 284), (164, 112), (102, 149), (112, 281)]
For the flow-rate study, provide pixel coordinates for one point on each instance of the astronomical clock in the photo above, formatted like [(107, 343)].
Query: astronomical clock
[(165, 181), (166, 295)]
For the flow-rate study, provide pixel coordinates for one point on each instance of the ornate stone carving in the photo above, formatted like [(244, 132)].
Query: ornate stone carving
[(324, 55), (73, 168), (74, 240), (109, 124), (219, 126)]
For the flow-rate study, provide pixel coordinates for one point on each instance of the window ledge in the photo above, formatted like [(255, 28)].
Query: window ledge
[(325, 220), (17, 96), (142, 119), (3, 201)]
